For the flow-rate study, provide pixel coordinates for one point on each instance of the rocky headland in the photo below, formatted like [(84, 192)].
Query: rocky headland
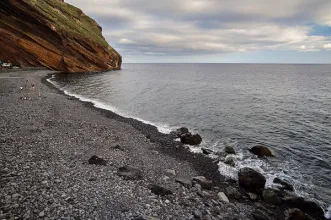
[(55, 35)]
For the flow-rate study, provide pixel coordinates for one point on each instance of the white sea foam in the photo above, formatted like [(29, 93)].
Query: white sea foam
[(224, 169), (328, 213), (162, 128)]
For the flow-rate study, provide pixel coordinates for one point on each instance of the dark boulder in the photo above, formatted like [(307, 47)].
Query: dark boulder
[(251, 180), (295, 214), (310, 207), (206, 151), (261, 151), (229, 150), (159, 190), (271, 196), (285, 185), (260, 215), (191, 139), (180, 131), (129, 173), (97, 161)]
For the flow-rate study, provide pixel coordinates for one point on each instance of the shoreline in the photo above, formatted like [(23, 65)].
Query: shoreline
[(47, 142), (166, 140)]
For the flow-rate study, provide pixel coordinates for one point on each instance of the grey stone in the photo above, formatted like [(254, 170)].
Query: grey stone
[(170, 172), (204, 183), (223, 197), (232, 193), (185, 181), (197, 214), (130, 173), (270, 196)]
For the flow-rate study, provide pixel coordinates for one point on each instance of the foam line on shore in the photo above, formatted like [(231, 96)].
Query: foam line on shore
[(224, 169), (162, 128)]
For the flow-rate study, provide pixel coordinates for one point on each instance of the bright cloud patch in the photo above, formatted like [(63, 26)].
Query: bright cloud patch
[(199, 27)]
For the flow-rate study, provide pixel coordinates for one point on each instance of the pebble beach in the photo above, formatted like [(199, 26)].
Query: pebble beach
[(46, 145)]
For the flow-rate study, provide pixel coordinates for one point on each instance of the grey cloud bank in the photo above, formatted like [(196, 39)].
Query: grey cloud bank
[(145, 28)]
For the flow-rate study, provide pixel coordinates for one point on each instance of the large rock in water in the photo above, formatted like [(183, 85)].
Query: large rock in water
[(191, 139), (261, 151), (309, 207), (55, 35), (251, 180)]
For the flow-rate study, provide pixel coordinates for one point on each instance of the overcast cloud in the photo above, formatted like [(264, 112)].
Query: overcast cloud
[(166, 30)]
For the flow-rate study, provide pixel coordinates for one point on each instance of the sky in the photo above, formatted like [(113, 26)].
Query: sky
[(215, 31)]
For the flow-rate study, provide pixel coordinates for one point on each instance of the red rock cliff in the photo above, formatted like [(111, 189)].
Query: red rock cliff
[(55, 35)]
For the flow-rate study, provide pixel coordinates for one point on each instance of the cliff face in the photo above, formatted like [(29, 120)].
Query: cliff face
[(55, 35)]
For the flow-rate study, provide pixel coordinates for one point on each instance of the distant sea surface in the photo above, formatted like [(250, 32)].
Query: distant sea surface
[(286, 107)]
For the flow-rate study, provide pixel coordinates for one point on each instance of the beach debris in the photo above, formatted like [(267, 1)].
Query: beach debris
[(185, 181), (251, 180), (191, 139), (206, 151), (229, 150), (285, 185), (271, 196), (223, 197), (261, 151), (97, 161), (129, 173), (232, 193), (203, 182), (159, 190)]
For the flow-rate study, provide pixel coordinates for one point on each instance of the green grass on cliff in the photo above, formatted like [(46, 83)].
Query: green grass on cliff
[(69, 19)]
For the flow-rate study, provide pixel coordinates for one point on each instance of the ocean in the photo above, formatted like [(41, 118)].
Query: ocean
[(284, 106)]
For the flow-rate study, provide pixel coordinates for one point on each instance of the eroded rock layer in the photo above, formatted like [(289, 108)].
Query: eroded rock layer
[(53, 34)]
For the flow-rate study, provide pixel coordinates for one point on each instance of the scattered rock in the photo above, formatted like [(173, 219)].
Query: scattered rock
[(259, 215), (180, 131), (223, 197), (232, 193), (230, 161), (229, 150), (118, 147), (197, 214), (97, 161), (42, 214), (191, 139), (146, 217), (206, 151), (261, 151), (170, 172), (285, 185), (129, 173), (271, 196), (251, 180), (184, 181), (203, 182), (295, 214), (310, 207), (252, 196), (159, 190)]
